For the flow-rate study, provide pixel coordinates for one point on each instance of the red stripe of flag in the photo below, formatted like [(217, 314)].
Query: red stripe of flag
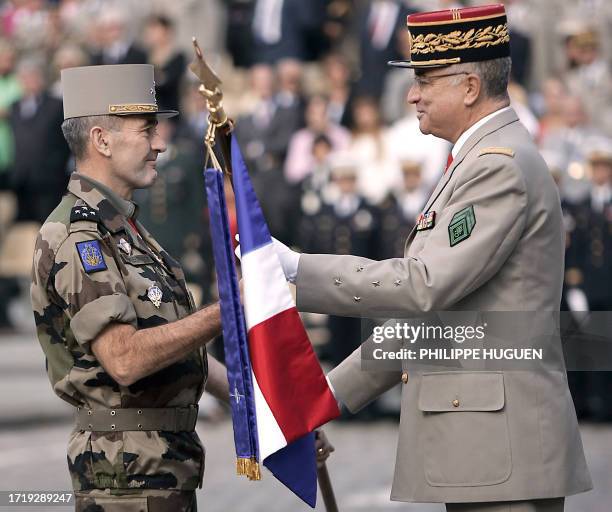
[(289, 375)]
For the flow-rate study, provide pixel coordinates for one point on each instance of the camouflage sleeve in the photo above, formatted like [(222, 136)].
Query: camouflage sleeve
[(89, 282)]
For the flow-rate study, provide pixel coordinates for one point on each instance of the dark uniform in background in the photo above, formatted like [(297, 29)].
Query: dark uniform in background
[(588, 269), (341, 223)]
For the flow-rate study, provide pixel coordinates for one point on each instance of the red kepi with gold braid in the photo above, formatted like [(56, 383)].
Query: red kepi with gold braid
[(453, 36)]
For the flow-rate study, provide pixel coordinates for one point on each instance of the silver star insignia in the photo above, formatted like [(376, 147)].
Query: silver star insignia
[(376, 283), (337, 281), (397, 282)]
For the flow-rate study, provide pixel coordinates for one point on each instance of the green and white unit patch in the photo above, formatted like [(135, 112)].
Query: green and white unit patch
[(461, 225)]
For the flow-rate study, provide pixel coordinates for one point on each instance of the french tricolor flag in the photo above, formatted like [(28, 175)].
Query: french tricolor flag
[(285, 385)]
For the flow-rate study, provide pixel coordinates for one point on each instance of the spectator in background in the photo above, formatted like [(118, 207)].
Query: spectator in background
[(593, 240), (588, 74), (341, 89), (520, 103), (239, 40), (397, 84), (378, 168), (399, 211), (113, 42), (68, 55), (168, 60), (569, 142), (38, 175), (193, 120), (520, 44), (286, 29), (410, 144), (380, 24), (300, 160), (551, 103), (345, 224), (27, 24), (10, 91), (290, 95), (318, 179), (264, 132)]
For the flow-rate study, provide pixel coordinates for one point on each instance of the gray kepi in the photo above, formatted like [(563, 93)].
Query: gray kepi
[(119, 89)]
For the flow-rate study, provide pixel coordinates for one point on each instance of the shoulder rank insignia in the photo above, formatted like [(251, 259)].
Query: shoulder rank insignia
[(426, 221), (91, 256), (83, 212), (461, 225), (497, 151)]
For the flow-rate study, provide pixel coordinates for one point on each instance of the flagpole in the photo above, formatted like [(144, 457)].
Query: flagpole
[(327, 491), (220, 127)]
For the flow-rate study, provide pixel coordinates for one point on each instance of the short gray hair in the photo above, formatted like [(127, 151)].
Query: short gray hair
[(494, 75), (76, 131)]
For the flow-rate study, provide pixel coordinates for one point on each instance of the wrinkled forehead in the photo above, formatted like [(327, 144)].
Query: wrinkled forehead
[(138, 121)]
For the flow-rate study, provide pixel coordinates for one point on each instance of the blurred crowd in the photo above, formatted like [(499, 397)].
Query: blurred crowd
[(334, 150)]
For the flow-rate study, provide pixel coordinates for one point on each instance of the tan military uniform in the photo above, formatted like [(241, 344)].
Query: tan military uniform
[(469, 436), (92, 268)]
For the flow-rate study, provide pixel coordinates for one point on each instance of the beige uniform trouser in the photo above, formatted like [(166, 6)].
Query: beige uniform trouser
[(146, 500), (548, 505)]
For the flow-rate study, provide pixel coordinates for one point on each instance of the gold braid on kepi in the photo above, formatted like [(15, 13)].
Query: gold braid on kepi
[(453, 36)]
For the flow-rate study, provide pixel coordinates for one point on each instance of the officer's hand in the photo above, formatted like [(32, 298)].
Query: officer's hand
[(323, 447), (289, 259)]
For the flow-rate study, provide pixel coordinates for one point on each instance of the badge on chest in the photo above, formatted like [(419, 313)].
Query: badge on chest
[(426, 221)]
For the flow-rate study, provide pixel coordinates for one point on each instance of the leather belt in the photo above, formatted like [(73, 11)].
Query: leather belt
[(167, 419)]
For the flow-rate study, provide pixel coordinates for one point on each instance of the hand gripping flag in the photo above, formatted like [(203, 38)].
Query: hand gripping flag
[(279, 393)]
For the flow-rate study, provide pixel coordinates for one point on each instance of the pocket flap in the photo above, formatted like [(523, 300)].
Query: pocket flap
[(461, 391), (137, 259)]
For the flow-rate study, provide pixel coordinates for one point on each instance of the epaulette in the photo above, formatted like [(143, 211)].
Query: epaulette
[(83, 212), (496, 151)]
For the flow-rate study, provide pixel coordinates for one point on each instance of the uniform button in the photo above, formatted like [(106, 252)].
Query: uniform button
[(113, 413), (405, 377), (113, 426), (455, 403)]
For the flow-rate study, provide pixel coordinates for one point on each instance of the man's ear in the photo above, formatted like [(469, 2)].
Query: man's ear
[(474, 85), (100, 140)]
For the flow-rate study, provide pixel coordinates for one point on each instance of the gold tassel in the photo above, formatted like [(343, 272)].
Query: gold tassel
[(249, 468)]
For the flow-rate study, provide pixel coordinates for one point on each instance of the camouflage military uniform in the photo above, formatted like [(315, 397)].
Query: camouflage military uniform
[(92, 268)]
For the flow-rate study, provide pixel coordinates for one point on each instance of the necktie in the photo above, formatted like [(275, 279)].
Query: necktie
[(449, 161)]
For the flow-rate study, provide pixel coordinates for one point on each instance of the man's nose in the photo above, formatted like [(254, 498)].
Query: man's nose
[(159, 144), (414, 94)]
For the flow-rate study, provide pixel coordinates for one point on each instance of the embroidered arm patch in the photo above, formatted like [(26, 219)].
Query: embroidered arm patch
[(461, 225), (91, 256)]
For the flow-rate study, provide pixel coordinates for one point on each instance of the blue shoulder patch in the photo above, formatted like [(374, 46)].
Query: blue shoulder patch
[(91, 256)]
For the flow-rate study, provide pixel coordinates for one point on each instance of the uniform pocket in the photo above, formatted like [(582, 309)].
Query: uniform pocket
[(85, 502), (465, 429)]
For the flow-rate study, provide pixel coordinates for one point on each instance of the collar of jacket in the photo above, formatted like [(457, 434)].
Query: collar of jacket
[(113, 210), (494, 124)]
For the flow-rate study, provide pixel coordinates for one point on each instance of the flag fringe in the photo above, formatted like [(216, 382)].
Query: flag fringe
[(248, 467)]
